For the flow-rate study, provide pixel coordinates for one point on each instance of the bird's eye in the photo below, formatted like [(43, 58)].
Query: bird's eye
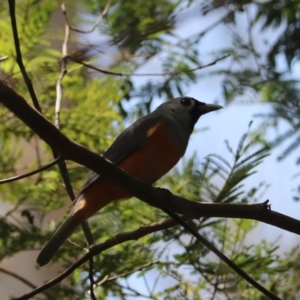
[(186, 101)]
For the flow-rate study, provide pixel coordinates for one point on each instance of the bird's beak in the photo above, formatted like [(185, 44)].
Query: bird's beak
[(208, 108)]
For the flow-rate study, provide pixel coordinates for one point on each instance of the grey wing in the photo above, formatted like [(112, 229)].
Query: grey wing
[(127, 142)]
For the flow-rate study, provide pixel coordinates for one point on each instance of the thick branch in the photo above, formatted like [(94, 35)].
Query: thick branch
[(189, 209)]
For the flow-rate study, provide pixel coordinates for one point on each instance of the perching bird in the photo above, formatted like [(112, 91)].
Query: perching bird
[(147, 150)]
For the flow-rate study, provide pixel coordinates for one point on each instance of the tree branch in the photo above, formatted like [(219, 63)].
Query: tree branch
[(19, 177), (98, 21), (107, 72), (107, 278), (18, 277), (12, 6)]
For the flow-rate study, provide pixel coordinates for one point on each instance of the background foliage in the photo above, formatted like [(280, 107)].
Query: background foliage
[(133, 36)]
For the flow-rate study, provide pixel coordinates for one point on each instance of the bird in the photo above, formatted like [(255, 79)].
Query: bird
[(147, 150)]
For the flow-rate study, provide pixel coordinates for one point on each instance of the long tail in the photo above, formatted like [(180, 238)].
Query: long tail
[(59, 237)]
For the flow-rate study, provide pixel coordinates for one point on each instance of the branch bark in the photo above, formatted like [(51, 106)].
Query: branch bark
[(189, 209)]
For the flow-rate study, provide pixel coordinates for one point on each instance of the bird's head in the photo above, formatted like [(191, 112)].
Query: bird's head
[(187, 110)]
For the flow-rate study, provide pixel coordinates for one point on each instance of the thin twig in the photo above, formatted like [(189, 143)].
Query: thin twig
[(19, 58), (3, 58), (125, 274), (18, 277), (63, 72), (77, 246), (62, 166), (19, 177), (147, 74), (98, 21), (91, 277), (135, 293)]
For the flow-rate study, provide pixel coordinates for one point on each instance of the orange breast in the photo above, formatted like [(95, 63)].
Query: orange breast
[(155, 158), (149, 163)]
